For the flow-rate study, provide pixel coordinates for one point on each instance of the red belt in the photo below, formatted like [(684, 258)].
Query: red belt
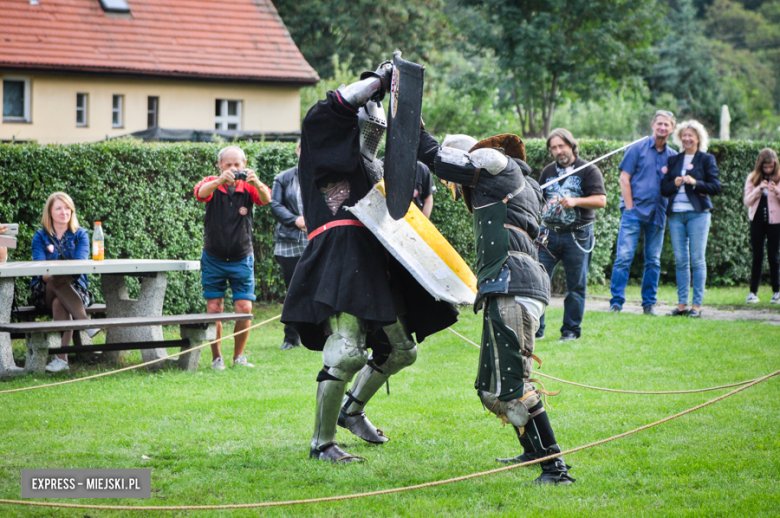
[(337, 223)]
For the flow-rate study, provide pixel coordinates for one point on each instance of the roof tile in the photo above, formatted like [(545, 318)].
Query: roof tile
[(243, 39)]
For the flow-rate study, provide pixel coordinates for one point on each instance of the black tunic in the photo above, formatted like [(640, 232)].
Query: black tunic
[(345, 268)]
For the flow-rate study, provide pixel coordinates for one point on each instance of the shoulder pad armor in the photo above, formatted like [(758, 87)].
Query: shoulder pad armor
[(453, 156), (491, 160)]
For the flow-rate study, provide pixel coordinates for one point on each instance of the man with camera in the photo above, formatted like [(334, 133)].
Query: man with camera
[(227, 242)]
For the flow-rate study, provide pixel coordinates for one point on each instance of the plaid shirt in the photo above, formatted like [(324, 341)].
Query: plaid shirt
[(290, 248)]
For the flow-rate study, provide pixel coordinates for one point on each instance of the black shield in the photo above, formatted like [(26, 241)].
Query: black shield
[(403, 134)]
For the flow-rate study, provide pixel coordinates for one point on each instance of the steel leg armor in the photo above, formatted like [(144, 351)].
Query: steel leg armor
[(371, 378), (344, 355)]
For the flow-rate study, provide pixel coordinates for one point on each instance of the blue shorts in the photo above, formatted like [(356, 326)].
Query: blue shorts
[(215, 274)]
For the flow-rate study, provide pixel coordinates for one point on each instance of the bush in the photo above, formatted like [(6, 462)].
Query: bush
[(143, 194)]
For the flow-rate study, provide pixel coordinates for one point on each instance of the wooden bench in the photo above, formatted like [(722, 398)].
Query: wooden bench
[(43, 338), (28, 313)]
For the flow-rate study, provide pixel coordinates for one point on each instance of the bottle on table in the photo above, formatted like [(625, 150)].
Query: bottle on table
[(97, 242)]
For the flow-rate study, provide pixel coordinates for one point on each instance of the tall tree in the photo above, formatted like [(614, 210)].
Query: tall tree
[(363, 32), (685, 67), (548, 47)]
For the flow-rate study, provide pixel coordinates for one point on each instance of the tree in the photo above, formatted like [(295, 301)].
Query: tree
[(547, 47), (685, 67), (363, 33)]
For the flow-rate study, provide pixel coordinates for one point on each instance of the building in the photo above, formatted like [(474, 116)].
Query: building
[(87, 70)]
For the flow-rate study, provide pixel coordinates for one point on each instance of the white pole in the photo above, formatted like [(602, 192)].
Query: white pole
[(599, 159)]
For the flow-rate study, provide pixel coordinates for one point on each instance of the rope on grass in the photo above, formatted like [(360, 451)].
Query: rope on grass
[(109, 373), (385, 491), (619, 391)]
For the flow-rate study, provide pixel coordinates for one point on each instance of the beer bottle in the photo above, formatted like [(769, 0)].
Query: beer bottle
[(97, 242)]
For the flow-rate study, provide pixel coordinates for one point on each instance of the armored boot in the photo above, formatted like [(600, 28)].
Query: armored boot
[(370, 379), (343, 355), (540, 434), (528, 454)]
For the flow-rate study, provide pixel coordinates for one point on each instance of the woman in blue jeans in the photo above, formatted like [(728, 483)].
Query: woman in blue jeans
[(690, 178)]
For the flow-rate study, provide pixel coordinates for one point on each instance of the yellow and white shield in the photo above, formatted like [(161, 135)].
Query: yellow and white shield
[(419, 246)]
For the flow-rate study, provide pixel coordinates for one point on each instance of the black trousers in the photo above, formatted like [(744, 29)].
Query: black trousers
[(288, 265), (761, 231)]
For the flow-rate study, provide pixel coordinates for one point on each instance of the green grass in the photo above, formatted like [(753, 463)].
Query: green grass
[(725, 297), (242, 436)]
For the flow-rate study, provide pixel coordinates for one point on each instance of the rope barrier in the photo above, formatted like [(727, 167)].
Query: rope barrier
[(619, 391), (385, 491), (117, 371)]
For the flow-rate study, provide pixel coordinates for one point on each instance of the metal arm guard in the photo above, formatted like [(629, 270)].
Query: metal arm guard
[(371, 87)]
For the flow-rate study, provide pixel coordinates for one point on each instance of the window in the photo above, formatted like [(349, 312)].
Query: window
[(227, 115), (81, 109), (16, 99), (117, 6), (151, 111), (117, 118)]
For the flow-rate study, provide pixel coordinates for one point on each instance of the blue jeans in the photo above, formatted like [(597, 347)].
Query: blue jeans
[(689, 231), (574, 250), (631, 225)]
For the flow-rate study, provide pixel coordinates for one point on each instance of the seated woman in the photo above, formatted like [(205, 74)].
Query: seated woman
[(66, 296)]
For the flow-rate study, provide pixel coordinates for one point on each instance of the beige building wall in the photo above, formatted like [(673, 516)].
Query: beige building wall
[(182, 105)]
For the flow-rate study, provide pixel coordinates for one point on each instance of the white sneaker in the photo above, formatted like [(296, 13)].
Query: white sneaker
[(57, 365), (92, 332), (241, 360), (775, 298), (218, 364), (752, 299)]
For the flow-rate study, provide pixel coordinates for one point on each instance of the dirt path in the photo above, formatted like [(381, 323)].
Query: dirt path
[(708, 313)]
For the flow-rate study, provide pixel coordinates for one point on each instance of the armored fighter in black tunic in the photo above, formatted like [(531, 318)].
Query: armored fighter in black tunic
[(348, 294), (513, 288)]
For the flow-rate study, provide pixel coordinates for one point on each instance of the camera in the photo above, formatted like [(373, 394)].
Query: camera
[(240, 175)]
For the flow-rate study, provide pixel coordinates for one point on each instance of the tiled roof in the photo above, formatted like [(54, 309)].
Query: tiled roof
[(233, 39)]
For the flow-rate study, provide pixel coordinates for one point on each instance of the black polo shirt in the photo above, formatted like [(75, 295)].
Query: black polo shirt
[(228, 222)]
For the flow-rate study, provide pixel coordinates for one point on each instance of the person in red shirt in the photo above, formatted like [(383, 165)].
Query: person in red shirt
[(227, 243)]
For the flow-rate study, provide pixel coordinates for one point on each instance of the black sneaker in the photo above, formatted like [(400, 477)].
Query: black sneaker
[(692, 313), (678, 313), (650, 310), (568, 336), (539, 335), (614, 308)]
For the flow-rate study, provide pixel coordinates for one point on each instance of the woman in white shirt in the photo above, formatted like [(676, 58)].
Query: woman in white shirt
[(689, 179)]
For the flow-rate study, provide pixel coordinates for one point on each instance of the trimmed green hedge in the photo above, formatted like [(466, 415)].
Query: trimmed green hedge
[(143, 194)]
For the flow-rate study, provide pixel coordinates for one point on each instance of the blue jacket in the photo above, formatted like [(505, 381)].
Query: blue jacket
[(73, 246), (705, 170)]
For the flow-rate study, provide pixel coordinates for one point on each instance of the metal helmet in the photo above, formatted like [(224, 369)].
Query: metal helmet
[(373, 125)]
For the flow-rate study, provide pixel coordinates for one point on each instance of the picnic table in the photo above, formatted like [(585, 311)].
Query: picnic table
[(152, 274)]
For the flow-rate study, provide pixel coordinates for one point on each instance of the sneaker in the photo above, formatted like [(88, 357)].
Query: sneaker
[(678, 313), (218, 364), (775, 298), (753, 299), (92, 332), (286, 346), (614, 308), (650, 310), (567, 336), (57, 365), (241, 360), (692, 313), (539, 335)]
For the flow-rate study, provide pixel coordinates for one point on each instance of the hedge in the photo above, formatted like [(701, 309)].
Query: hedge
[(143, 194)]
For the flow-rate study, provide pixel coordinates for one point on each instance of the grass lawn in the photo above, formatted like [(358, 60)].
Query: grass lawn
[(242, 435), (728, 297)]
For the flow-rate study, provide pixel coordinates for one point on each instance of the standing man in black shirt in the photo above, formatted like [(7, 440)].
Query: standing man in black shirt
[(567, 232), (227, 243)]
